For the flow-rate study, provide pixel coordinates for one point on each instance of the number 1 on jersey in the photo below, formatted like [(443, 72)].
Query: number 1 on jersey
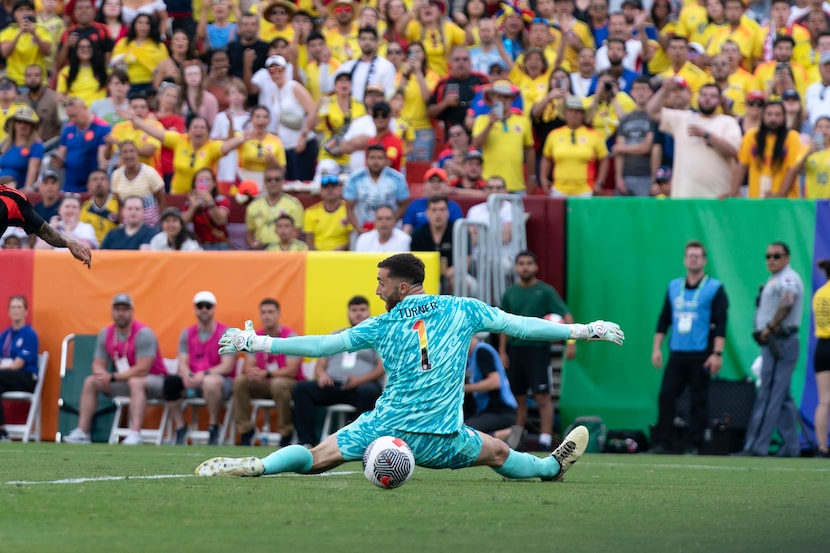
[(421, 329)]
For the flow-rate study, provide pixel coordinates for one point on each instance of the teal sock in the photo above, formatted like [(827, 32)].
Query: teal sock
[(293, 458), (525, 465)]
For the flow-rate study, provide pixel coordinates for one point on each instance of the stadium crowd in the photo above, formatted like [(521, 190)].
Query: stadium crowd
[(108, 108)]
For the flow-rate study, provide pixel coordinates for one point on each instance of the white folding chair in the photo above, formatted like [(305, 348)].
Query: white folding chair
[(339, 410), (264, 434), (31, 429), (148, 435)]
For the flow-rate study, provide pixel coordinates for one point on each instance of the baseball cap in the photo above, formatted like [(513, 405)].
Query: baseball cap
[(638, 4), (49, 174), (474, 154), (574, 102), (755, 95), (279, 61), (435, 172), (122, 299), (825, 58), (381, 107), (681, 82), (204, 297), (790, 94), (171, 212), (374, 87)]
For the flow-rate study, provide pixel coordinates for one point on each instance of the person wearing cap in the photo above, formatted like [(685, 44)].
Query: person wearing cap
[(342, 37), (767, 170), (13, 239), (132, 350), (705, 142), (326, 223), (574, 157), (174, 235), (436, 183), (816, 97), (276, 21), (267, 376), (470, 182), (374, 185), (24, 42), (8, 105), (438, 35), (369, 67), (363, 129), (382, 117), (49, 190), (19, 349), (21, 152), (385, 235), (796, 115), (335, 114), (505, 139), (202, 371), (133, 233)]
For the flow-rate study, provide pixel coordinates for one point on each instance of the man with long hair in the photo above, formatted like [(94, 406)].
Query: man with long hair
[(768, 153)]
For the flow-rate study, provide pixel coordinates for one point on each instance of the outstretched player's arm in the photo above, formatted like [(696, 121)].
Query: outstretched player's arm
[(533, 328), (58, 240), (234, 340)]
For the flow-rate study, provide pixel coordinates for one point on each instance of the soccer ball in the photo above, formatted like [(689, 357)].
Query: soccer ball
[(554, 318), (388, 462)]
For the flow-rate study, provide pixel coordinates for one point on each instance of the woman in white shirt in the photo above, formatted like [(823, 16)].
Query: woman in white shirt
[(67, 222), (174, 235), (134, 178)]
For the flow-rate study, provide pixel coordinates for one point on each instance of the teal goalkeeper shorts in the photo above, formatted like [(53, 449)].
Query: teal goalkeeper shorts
[(435, 451)]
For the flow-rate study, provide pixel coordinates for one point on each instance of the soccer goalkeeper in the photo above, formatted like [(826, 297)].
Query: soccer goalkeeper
[(423, 341)]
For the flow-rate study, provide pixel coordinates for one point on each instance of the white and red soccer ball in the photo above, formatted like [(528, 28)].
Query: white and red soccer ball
[(388, 462)]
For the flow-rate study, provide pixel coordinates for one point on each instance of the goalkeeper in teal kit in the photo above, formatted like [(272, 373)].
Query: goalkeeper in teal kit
[(423, 341)]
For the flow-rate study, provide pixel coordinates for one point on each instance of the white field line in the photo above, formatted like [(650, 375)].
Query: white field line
[(759, 467), (145, 477)]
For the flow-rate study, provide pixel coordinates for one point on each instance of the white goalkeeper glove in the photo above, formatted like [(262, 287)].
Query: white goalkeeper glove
[(235, 340), (598, 330)]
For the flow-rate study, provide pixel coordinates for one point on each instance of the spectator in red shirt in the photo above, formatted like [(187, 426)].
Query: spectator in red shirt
[(381, 115), (85, 27), (470, 182), (208, 211)]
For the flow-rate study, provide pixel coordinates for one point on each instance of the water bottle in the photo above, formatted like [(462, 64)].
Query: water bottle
[(264, 440), (631, 445), (190, 393)]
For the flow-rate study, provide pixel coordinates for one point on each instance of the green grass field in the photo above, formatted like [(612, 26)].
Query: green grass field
[(63, 498)]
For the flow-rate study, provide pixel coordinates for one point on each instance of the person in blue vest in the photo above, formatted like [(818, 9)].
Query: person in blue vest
[(695, 307), (490, 405)]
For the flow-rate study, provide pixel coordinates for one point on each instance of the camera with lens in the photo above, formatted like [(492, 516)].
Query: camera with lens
[(29, 18), (608, 86)]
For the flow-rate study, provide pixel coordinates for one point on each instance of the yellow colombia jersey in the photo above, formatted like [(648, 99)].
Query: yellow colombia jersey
[(692, 74), (331, 230), (817, 176), (186, 160), (102, 220), (142, 59), (436, 49), (575, 154), (659, 62), (504, 148), (261, 217), (253, 154), (570, 55), (85, 86), (125, 131), (761, 174), (532, 90), (342, 48), (312, 76), (821, 311), (765, 73), (692, 23), (745, 36)]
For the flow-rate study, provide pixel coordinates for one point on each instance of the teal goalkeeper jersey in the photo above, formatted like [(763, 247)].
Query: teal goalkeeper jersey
[(424, 342)]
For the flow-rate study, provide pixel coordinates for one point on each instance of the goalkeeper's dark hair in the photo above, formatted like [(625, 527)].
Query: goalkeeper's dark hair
[(404, 266), (358, 300)]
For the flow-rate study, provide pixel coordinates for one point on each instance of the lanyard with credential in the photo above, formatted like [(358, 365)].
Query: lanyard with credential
[(682, 296)]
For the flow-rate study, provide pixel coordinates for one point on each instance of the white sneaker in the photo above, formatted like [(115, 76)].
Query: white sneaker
[(229, 466), (133, 438), (77, 436), (570, 450)]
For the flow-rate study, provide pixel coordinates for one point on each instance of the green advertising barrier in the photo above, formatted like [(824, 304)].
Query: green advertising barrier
[(621, 255)]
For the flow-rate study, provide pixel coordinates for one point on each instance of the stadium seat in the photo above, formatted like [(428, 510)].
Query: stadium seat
[(77, 354), (148, 435), (340, 410), (31, 429)]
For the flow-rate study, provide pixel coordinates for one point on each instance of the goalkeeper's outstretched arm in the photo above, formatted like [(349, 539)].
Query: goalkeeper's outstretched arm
[(532, 328), (247, 340)]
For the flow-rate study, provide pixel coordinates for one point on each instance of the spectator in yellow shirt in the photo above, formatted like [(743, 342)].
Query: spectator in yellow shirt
[(342, 37), (276, 21), (437, 35), (678, 52), (141, 51), (86, 75), (149, 148), (767, 154), (767, 72), (815, 164), (25, 42)]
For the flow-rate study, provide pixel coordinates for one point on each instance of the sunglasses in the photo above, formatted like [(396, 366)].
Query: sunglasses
[(756, 103), (395, 52), (343, 9), (380, 115), (775, 255), (327, 182), (204, 305)]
